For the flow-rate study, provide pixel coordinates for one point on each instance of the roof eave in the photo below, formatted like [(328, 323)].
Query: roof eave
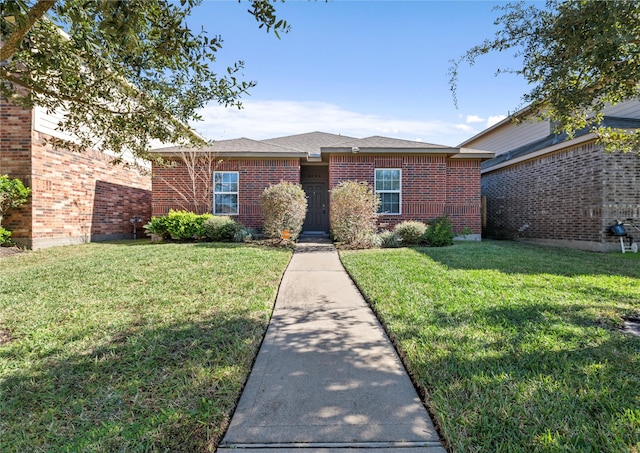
[(474, 155), (550, 149), (223, 154), (359, 150)]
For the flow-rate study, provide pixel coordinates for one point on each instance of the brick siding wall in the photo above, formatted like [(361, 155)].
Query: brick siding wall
[(569, 195), (431, 186), (621, 189), (75, 197), (254, 176), (15, 161), (80, 197)]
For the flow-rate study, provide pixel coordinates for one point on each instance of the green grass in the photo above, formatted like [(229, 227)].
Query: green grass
[(129, 346), (516, 347)]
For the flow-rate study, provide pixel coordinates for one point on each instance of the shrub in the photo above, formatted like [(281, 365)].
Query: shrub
[(354, 207), (157, 225), (389, 239), (466, 231), (411, 231), (5, 237), (13, 194), (221, 228), (284, 207), (243, 234), (184, 225), (365, 241), (440, 232)]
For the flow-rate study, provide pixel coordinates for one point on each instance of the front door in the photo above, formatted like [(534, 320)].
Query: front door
[(317, 207), (315, 183)]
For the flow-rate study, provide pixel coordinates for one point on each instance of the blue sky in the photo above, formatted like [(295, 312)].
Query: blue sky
[(361, 68)]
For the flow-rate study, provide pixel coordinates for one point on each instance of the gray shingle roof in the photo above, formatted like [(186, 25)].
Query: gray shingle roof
[(378, 142), (313, 144), (238, 146), (310, 142)]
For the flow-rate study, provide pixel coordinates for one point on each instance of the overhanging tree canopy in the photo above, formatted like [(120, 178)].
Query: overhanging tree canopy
[(125, 72), (579, 56)]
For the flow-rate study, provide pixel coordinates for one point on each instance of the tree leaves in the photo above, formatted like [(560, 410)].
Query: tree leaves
[(125, 72), (578, 55)]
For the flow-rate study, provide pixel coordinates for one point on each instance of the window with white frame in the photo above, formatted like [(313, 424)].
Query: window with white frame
[(388, 185), (225, 192)]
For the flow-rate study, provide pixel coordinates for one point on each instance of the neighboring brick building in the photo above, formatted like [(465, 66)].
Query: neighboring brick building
[(416, 181), (75, 197), (543, 188)]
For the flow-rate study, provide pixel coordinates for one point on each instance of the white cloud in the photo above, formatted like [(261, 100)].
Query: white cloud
[(474, 119), (495, 119), (267, 119)]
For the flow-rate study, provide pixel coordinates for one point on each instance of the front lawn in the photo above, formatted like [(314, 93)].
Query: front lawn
[(129, 346), (516, 347)]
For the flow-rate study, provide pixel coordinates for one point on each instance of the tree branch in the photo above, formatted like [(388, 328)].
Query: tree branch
[(35, 13), (63, 97)]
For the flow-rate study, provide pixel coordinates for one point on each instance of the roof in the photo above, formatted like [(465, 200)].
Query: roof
[(309, 142), (237, 146), (555, 139), (377, 142), (313, 144)]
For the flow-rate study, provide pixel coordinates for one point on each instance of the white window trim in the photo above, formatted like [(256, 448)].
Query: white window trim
[(399, 191), (226, 193)]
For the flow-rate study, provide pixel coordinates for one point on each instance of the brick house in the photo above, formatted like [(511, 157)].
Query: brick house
[(543, 188), (415, 180), (75, 197)]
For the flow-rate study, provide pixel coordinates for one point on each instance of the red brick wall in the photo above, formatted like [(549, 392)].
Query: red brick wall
[(75, 197), (431, 186), (569, 195), (464, 199), (15, 161), (254, 176), (621, 188), (79, 197)]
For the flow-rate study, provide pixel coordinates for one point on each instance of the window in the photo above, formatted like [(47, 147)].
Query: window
[(388, 187), (225, 192)]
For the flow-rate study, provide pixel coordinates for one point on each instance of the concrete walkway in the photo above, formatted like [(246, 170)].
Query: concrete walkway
[(327, 377)]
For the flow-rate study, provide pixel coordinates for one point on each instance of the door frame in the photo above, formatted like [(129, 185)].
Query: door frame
[(317, 174)]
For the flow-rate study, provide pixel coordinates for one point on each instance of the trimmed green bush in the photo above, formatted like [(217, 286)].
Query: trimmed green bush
[(284, 207), (354, 207), (411, 231), (466, 231), (221, 228), (157, 225), (389, 239), (13, 194), (185, 225), (5, 237), (440, 232)]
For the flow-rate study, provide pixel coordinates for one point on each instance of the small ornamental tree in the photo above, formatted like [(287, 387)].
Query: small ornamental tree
[(354, 207), (284, 207), (13, 194)]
